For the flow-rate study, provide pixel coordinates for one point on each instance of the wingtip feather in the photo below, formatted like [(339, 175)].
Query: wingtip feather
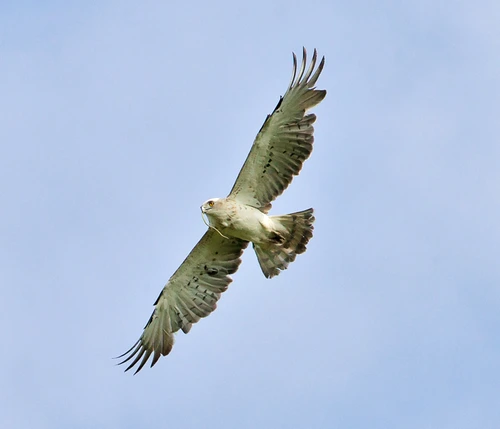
[(302, 66), (294, 70)]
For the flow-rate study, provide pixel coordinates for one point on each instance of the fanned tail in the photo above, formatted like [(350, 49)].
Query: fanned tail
[(275, 257)]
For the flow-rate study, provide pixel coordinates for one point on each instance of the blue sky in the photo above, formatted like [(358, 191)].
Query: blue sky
[(118, 119)]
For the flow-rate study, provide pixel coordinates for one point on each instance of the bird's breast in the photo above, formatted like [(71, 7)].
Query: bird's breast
[(247, 223)]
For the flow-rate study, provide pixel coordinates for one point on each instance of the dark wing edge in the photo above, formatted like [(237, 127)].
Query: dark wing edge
[(284, 141), (190, 294)]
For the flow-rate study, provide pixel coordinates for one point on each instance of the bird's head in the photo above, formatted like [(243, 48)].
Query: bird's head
[(209, 205)]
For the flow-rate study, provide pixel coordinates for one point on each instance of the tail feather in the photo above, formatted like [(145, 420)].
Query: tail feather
[(276, 255)]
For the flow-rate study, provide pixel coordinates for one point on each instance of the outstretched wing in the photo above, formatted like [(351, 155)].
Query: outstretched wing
[(190, 294), (284, 142)]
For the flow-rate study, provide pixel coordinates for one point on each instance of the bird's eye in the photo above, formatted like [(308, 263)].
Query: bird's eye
[(210, 203)]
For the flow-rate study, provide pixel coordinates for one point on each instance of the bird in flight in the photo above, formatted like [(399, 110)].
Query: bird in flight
[(282, 145)]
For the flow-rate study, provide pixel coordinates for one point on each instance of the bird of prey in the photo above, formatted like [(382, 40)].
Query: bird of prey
[(282, 145)]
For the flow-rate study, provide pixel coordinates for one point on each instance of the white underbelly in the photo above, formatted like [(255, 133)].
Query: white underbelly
[(250, 224)]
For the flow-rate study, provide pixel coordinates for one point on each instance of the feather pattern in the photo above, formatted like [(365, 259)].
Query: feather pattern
[(282, 145), (284, 142), (191, 294)]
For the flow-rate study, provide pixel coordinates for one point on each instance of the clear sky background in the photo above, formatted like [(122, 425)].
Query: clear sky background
[(119, 118)]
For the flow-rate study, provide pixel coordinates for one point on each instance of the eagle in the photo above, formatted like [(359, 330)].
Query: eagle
[(283, 143)]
